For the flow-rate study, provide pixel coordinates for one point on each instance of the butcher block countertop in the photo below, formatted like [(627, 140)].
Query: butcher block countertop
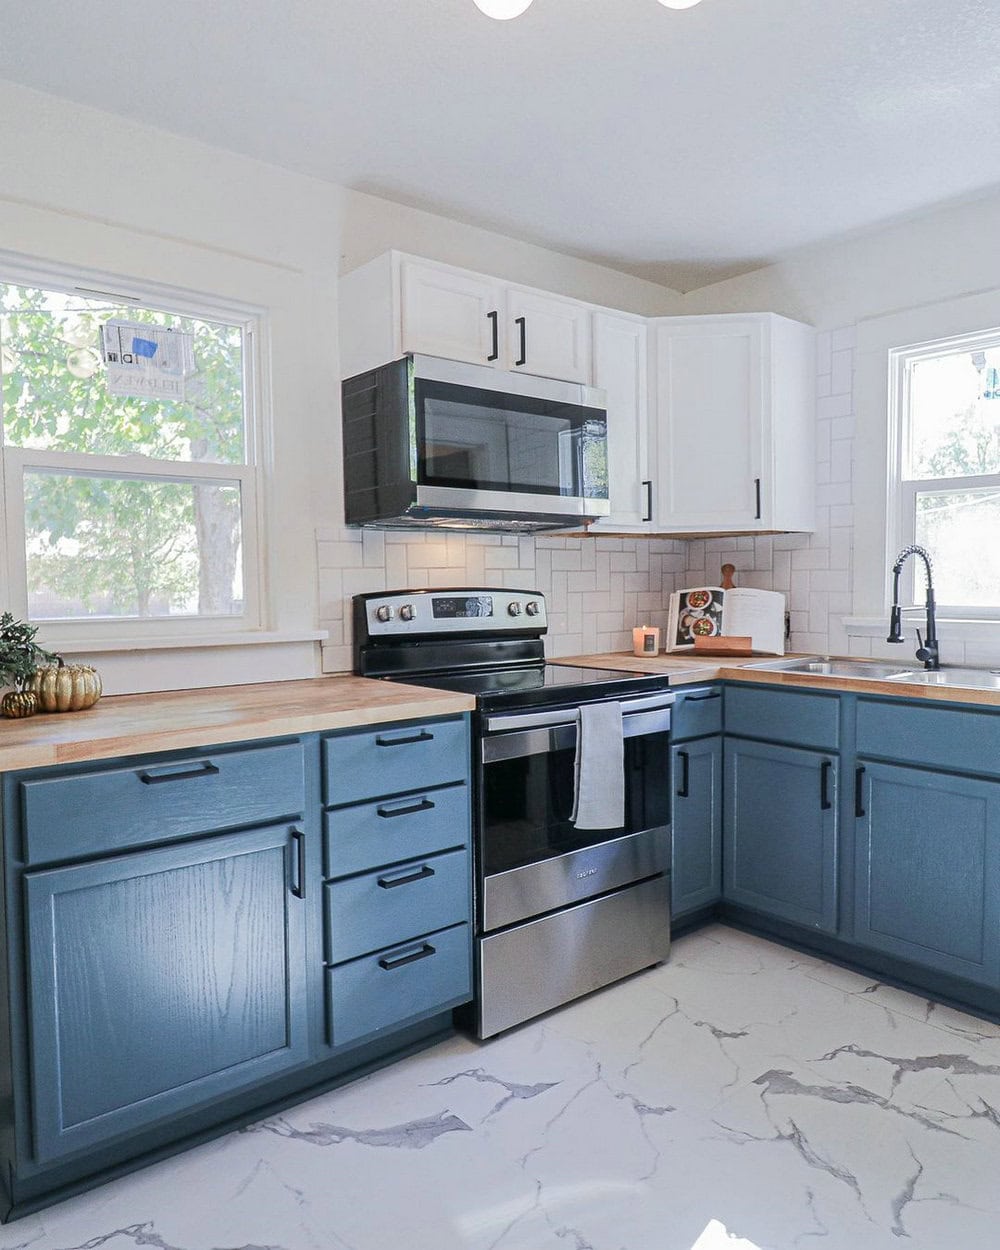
[(137, 724), (686, 670)]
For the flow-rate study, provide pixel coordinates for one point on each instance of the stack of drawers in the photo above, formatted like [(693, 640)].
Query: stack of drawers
[(398, 889)]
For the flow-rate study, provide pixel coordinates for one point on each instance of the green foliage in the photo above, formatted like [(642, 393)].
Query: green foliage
[(971, 445), (119, 545), (20, 655)]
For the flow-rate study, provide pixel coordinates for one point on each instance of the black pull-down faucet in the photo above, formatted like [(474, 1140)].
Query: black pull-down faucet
[(927, 647)]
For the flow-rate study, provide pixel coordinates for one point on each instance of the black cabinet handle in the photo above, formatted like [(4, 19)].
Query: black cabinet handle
[(495, 322), (859, 792), (824, 785), (423, 736), (388, 962), (648, 514), (207, 769), (523, 359), (685, 786), (299, 884), (424, 805), (422, 873), (702, 698), (756, 486)]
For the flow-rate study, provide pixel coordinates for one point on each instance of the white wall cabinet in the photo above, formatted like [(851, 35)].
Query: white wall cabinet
[(735, 405), (398, 304), (620, 369)]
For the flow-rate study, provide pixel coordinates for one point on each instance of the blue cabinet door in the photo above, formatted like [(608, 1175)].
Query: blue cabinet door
[(927, 879), (781, 832), (160, 979), (696, 857)]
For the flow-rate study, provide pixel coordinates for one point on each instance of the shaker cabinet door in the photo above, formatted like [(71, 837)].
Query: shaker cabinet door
[(451, 314), (696, 877), (160, 979), (547, 336), (620, 370)]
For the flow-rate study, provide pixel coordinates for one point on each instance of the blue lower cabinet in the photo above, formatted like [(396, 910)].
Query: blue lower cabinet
[(781, 832), (696, 855), (390, 988), (927, 869), (160, 979)]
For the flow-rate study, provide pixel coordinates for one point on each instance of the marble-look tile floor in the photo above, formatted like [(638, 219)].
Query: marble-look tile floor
[(741, 1097)]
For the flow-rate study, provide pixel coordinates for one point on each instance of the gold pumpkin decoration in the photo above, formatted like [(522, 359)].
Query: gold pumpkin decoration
[(66, 687), (18, 703)]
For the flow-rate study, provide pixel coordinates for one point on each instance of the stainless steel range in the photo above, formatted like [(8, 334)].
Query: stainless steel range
[(560, 910)]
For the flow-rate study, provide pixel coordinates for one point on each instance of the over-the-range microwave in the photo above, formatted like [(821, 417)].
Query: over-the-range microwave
[(431, 442)]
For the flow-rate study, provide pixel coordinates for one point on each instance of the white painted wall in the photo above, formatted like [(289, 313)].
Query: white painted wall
[(87, 189)]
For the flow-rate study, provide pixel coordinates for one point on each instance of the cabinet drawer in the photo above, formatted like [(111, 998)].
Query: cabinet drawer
[(807, 720), (393, 987), (389, 830), (966, 740), (392, 905), (393, 760), (114, 808), (697, 713)]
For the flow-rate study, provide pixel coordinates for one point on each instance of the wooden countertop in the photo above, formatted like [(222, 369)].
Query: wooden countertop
[(685, 670), (137, 724)]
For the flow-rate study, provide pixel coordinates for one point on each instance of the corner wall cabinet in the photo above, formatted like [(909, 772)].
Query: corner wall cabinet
[(192, 937)]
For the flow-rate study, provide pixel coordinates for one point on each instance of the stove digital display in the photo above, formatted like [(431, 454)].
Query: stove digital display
[(456, 607)]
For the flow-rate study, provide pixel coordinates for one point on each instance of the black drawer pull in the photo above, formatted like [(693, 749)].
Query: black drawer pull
[(859, 792), (208, 769), (756, 484), (424, 805), (648, 514), (685, 788), (388, 962), (423, 736), (824, 785), (701, 698), (299, 884), (422, 873), (494, 318), (521, 325)]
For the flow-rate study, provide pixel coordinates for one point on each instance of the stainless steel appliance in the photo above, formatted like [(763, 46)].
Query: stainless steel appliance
[(431, 442), (560, 911)]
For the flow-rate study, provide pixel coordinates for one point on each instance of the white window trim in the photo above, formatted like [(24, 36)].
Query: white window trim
[(79, 633), (877, 485)]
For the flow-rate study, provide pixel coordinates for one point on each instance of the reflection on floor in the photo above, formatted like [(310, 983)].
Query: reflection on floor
[(741, 1097)]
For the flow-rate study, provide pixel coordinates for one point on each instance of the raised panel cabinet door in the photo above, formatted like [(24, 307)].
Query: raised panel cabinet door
[(547, 336), (161, 979), (710, 425), (458, 316), (696, 859), (927, 876), (780, 832), (620, 370)]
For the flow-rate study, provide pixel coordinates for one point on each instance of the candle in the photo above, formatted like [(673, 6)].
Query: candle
[(645, 640)]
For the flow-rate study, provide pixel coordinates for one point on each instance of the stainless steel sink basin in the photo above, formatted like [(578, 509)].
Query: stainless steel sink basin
[(960, 678), (816, 667)]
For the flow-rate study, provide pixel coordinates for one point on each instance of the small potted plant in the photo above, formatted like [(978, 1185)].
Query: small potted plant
[(20, 656)]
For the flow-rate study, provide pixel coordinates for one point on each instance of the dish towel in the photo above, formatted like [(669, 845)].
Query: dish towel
[(599, 776)]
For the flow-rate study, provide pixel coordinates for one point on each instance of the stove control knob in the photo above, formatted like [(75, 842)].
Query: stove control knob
[(384, 613), (514, 608), (532, 608), (406, 612)]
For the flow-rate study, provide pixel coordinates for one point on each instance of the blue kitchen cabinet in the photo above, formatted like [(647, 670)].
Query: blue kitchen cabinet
[(927, 869), (780, 832), (160, 979), (696, 856)]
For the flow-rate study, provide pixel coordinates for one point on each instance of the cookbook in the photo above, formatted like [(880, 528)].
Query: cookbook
[(710, 612)]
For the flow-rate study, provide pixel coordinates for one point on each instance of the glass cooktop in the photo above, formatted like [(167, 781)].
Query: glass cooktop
[(542, 684)]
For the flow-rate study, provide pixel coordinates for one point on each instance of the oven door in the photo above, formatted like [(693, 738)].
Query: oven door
[(532, 858), (485, 440)]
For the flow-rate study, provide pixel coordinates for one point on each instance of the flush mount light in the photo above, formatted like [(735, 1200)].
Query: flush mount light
[(502, 10), (680, 4)]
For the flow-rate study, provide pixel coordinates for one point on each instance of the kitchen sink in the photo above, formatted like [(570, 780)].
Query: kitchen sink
[(819, 667), (962, 678)]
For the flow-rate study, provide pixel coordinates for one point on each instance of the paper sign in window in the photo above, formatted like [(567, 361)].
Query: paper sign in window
[(149, 361)]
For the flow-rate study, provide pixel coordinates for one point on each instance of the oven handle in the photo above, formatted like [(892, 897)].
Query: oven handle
[(541, 741), (567, 716)]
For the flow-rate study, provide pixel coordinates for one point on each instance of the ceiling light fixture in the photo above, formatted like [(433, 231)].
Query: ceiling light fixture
[(504, 10)]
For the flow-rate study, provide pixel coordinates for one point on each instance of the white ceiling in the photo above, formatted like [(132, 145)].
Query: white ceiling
[(679, 146)]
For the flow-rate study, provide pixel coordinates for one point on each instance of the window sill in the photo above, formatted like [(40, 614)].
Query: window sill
[(82, 643)]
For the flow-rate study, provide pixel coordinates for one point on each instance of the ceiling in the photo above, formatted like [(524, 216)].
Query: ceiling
[(681, 146)]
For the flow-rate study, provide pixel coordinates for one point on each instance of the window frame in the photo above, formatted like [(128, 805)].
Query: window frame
[(248, 475)]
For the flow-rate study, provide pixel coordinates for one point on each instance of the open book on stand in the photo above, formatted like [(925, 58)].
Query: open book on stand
[(711, 612)]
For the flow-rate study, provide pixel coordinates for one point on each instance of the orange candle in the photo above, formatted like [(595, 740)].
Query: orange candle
[(645, 640)]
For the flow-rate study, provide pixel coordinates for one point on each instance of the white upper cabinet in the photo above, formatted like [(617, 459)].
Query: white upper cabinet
[(398, 304), (735, 424), (546, 335), (620, 369)]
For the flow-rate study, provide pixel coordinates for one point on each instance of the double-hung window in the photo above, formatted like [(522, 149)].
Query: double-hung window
[(945, 424), (130, 486)]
